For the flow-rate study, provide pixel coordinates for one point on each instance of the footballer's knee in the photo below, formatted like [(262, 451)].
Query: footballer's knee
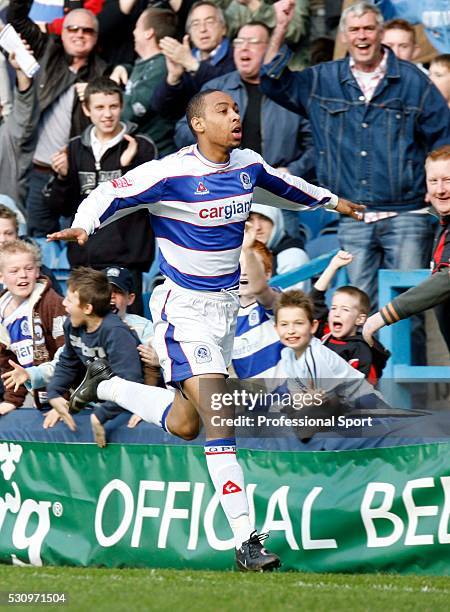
[(187, 431)]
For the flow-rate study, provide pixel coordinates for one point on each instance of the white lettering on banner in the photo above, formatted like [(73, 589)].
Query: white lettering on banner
[(208, 521), (10, 455), (307, 541), (127, 495), (279, 499), (414, 512), (143, 511), (34, 541), (199, 489), (436, 19), (376, 506), (170, 512), (369, 514), (443, 534)]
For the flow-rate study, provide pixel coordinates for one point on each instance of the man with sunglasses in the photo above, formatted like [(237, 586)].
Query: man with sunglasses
[(67, 64)]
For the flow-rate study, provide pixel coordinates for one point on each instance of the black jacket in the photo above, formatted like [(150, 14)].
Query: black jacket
[(127, 242), (55, 76), (353, 349), (441, 250)]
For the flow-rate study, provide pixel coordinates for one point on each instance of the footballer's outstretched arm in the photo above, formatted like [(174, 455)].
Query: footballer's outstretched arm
[(114, 199), (302, 195)]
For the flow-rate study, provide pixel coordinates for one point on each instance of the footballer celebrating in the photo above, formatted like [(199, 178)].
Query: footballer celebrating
[(199, 199)]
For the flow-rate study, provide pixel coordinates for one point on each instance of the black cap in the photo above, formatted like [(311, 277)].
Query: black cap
[(121, 278)]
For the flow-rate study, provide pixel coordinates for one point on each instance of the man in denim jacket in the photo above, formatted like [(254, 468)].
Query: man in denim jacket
[(374, 118)]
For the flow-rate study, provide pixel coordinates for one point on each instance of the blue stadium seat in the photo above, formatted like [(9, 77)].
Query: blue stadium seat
[(321, 244), (316, 220), (146, 299)]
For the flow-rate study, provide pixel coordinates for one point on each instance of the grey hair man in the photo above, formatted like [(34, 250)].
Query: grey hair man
[(374, 118)]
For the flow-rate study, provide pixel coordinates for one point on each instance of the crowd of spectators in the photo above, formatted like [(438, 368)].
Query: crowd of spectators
[(114, 82)]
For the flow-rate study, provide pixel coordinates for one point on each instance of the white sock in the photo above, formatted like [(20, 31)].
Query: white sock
[(150, 403), (228, 480)]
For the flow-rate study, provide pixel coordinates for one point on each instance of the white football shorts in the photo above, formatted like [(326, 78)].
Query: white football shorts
[(194, 330)]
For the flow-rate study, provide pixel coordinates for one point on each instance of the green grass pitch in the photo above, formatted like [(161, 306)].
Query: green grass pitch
[(133, 590)]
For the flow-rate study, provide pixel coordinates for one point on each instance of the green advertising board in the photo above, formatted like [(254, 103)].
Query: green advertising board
[(153, 506)]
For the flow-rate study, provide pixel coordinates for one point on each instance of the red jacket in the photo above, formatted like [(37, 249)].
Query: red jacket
[(55, 27)]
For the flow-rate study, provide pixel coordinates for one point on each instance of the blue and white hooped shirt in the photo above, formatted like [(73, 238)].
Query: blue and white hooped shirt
[(19, 329), (257, 347), (199, 209)]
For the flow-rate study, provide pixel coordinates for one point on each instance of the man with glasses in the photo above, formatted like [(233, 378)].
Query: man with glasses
[(282, 137), (67, 63), (189, 69)]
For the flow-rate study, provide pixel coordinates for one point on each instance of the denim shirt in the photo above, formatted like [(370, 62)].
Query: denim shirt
[(286, 137), (370, 152)]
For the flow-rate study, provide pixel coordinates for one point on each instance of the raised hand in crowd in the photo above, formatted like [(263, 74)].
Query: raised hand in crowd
[(130, 152), (60, 163), (341, 259), (249, 236), (23, 81), (284, 11), (126, 6), (80, 88), (120, 75), (180, 53)]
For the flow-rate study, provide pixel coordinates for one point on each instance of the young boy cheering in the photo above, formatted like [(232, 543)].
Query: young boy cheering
[(122, 295), (91, 331), (31, 317), (340, 326)]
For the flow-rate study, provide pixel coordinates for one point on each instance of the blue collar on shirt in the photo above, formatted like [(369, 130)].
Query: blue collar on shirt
[(216, 54)]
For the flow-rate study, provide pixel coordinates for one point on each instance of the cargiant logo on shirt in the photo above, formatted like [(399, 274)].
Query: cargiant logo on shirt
[(225, 212)]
